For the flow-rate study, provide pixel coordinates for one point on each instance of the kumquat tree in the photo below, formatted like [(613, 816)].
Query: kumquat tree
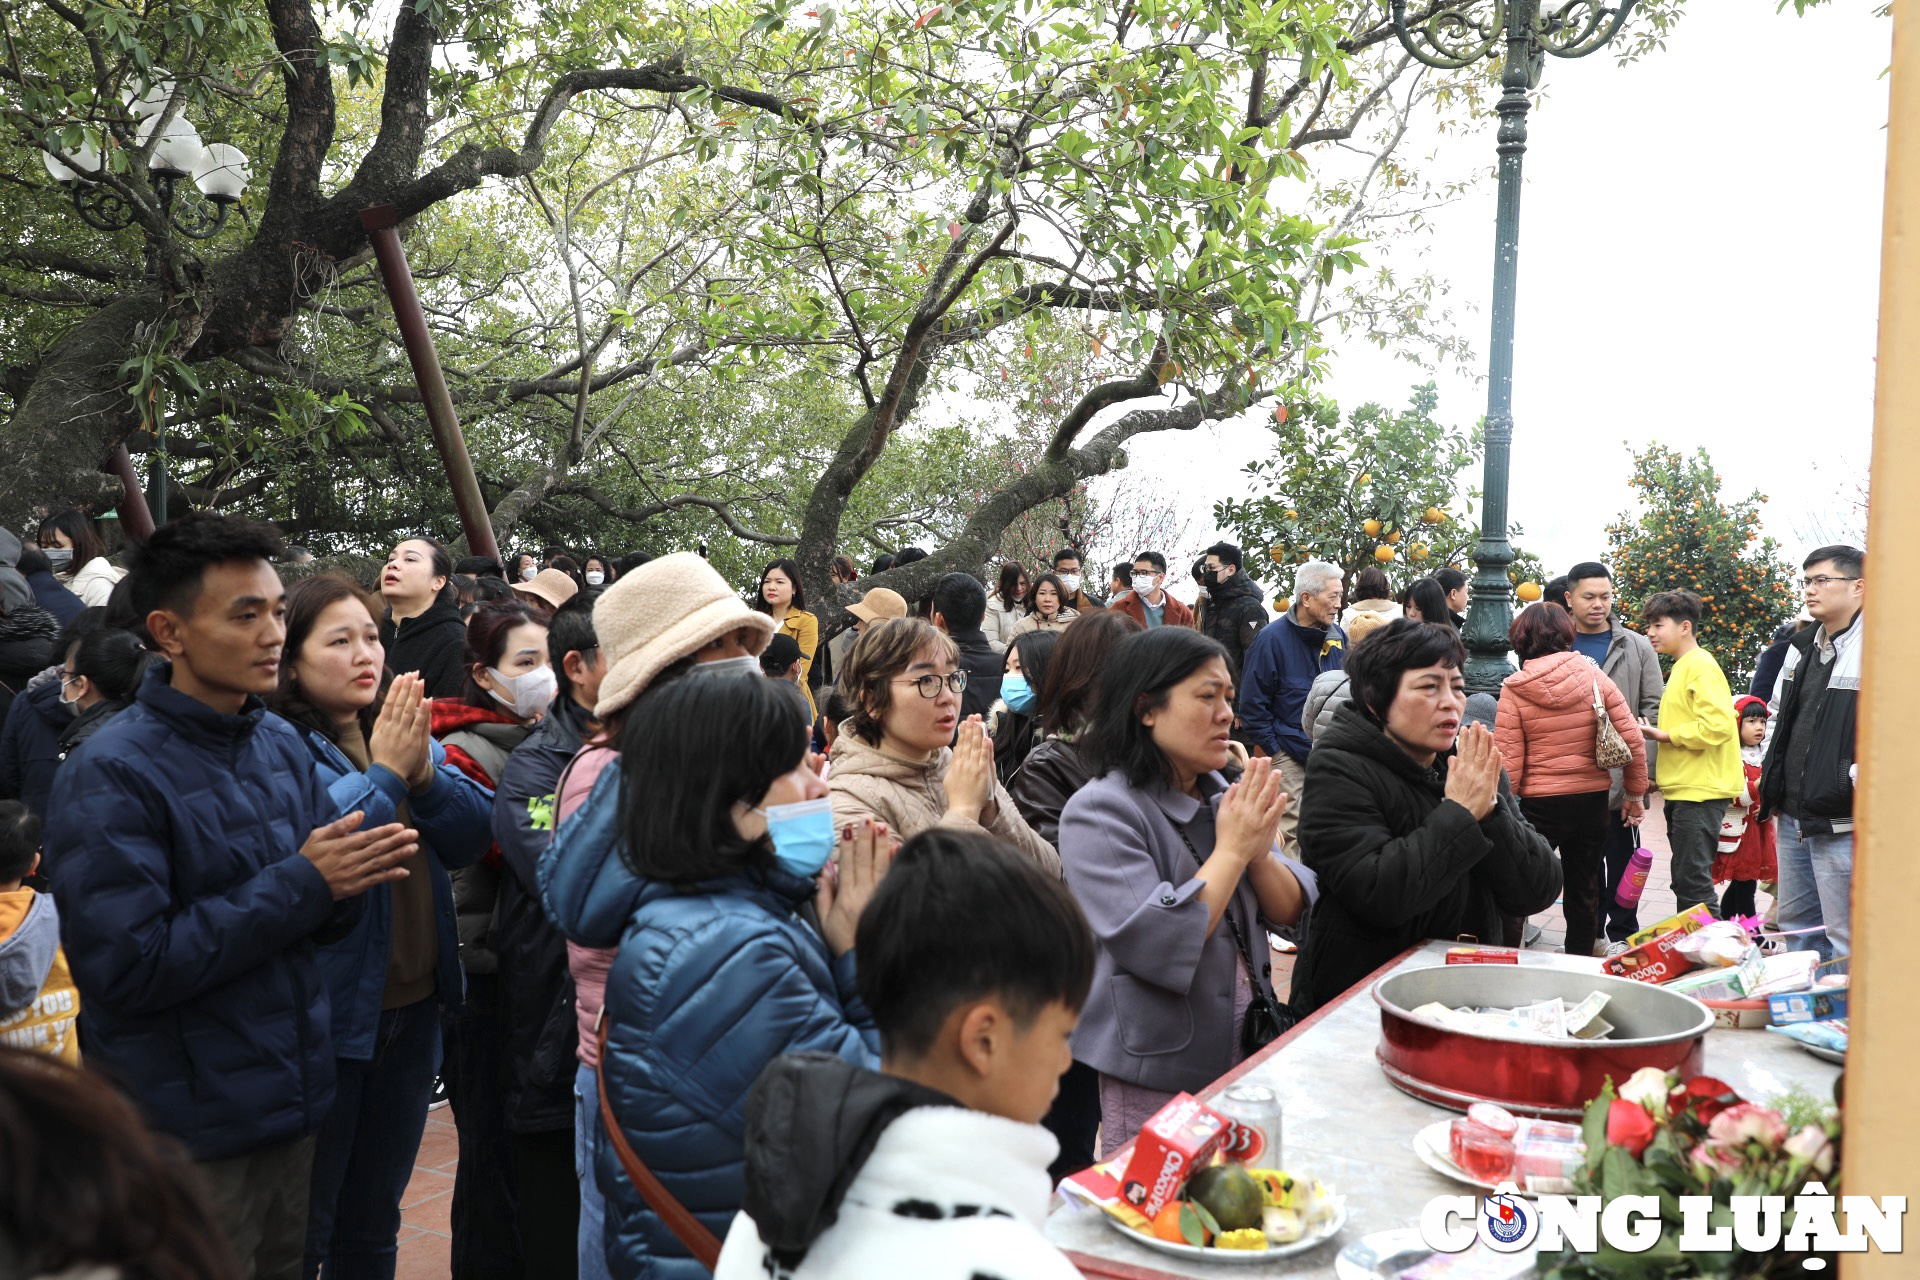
[(1686, 536)]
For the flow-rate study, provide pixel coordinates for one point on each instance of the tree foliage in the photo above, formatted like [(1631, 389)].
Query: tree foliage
[(1325, 479), (1686, 536), (697, 269)]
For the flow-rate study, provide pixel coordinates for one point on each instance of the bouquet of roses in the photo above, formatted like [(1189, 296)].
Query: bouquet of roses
[(1666, 1137)]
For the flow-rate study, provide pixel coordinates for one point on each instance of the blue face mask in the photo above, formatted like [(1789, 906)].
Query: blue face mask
[(1016, 692), (802, 835)]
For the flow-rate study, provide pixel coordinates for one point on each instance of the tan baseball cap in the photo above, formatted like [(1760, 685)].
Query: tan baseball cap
[(878, 605)]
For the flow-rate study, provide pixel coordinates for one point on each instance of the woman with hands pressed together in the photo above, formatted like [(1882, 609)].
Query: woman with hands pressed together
[(1408, 821), (724, 834), (369, 734), (892, 761), (1179, 877)]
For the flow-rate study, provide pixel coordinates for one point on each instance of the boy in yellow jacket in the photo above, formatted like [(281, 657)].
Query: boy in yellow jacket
[(38, 1001), (1699, 767)]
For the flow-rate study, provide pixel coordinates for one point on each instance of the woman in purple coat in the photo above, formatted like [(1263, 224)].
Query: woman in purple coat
[(1179, 877)]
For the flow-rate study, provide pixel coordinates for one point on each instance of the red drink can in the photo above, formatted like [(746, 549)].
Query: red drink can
[(1252, 1112)]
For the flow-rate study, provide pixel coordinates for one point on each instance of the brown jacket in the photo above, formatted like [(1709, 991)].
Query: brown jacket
[(910, 797), (1545, 728), (1177, 614)]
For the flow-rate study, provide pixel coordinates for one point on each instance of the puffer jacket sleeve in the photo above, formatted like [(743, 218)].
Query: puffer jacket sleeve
[(127, 939), (453, 814), (1009, 826), (1042, 786), (756, 1001), (1629, 729), (1510, 739), (857, 797), (587, 890), (1153, 928), (1260, 679), (1520, 868), (1381, 879)]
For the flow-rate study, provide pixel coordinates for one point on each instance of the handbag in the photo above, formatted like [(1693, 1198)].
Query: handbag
[(1610, 750), (1267, 1019), (687, 1229)]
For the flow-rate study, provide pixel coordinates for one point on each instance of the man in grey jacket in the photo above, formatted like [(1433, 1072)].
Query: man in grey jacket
[(1627, 658)]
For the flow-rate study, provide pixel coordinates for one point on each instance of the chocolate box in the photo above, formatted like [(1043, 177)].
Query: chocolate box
[(1181, 1138), (1655, 961)]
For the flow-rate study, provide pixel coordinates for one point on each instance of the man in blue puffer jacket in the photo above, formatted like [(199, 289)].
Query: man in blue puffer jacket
[(198, 858), (712, 980)]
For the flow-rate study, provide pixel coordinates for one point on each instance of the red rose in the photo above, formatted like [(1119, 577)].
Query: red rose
[(1707, 1096), (1629, 1126)]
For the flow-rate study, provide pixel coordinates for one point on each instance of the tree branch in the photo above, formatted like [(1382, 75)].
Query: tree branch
[(640, 515)]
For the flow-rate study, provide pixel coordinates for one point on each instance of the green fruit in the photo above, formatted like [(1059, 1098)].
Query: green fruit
[(1229, 1193)]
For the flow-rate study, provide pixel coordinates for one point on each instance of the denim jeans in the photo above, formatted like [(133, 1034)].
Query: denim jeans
[(1693, 834), (1816, 888), (593, 1206), (364, 1157)]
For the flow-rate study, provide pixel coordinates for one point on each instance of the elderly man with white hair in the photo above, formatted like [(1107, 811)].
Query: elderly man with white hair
[(1281, 666)]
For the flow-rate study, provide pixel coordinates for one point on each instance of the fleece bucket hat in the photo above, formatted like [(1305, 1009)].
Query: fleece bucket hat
[(661, 612)]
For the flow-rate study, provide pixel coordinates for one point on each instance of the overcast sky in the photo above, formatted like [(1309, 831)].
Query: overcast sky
[(1699, 265)]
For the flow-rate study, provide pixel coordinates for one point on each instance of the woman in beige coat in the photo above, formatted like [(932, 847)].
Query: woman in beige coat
[(1045, 611), (891, 760)]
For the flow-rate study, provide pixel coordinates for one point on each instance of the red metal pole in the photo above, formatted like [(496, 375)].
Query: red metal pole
[(135, 520), (381, 222)]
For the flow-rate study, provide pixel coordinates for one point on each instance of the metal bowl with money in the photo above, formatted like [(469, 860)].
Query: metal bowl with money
[(1537, 1041)]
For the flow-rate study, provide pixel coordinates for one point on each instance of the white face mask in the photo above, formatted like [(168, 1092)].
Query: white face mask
[(727, 667), (1071, 581), (529, 573), (528, 693), (595, 577), (1143, 584)]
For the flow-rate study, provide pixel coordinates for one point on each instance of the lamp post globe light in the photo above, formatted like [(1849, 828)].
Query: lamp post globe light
[(218, 172), (1452, 36)]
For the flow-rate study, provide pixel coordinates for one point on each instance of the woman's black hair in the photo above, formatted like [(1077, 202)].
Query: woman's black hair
[(1139, 679), (85, 540), (1371, 584), (1430, 598), (692, 749), (792, 571), (442, 562), (1060, 594), (960, 918), (1375, 665), (85, 623), (113, 660), (1036, 656), (307, 599), (1070, 691), (1010, 575)]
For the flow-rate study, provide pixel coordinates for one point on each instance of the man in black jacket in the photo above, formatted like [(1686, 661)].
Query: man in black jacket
[(536, 987), (1807, 780), (1235, 612), (959, 606)]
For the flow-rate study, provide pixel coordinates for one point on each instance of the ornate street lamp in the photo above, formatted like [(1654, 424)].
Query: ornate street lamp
[(219, 172), (1451, 36)]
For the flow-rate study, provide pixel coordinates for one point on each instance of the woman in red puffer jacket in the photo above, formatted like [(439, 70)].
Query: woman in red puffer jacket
[(1545, 731)]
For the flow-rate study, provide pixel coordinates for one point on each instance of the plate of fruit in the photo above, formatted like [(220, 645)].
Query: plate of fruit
[(1226, 1213)]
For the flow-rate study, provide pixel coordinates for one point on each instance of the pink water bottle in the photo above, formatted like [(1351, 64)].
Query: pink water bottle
[(1633, 882)]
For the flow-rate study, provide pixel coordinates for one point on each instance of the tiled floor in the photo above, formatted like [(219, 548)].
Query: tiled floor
[(426, 1249)]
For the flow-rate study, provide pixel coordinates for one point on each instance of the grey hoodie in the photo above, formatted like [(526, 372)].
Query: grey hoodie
[(26, 956), (14, 591)]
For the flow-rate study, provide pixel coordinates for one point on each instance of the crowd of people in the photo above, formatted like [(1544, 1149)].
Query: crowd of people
[(727, 926)]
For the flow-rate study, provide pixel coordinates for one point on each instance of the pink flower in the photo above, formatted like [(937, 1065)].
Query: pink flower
[(1710, 1162), (1746, 1122), (1812, 1145)]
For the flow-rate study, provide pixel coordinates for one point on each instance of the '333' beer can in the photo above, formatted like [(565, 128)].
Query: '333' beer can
[(1252, 1112)]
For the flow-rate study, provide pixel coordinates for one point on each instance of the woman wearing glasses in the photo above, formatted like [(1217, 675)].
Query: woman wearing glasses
[(895, 765)]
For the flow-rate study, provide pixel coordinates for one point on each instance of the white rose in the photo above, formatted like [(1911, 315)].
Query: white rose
[(1649, 1086)]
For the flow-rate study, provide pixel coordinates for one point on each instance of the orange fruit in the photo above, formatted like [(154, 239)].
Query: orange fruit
[(1434, 515), (1371, 528), (1418, 551), (1384, 554), (1528, 591), (1166, 1224), (1393, 539)]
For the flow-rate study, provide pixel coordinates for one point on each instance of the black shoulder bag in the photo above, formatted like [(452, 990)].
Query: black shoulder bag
[(1267, 1019)]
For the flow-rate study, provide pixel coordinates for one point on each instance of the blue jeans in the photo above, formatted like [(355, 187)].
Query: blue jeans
[(364, 1156), (593, 1206), (1816, 888)]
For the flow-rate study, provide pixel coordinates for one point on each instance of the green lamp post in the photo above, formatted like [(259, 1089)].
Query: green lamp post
[(1451, 36)]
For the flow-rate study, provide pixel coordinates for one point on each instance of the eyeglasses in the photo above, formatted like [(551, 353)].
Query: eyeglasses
[(1821, 579), (929, 685)]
